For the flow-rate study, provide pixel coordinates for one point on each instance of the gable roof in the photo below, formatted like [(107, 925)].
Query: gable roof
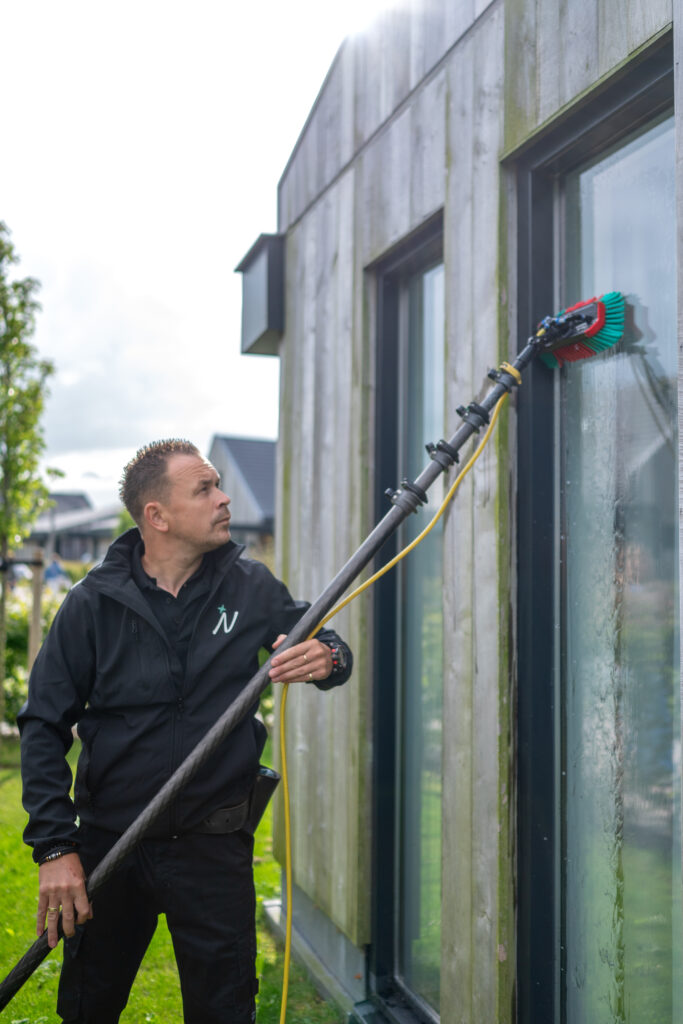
[(69, 501), (82, 520)]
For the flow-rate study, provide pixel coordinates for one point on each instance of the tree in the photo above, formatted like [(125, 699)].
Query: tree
[(23, 378)]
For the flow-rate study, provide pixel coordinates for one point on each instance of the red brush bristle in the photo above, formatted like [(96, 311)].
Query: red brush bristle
[(577, 350), (579, 305), (572, 353)]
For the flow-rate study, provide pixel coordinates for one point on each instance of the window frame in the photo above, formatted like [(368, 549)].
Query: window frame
[(420, 251), (638, 94)]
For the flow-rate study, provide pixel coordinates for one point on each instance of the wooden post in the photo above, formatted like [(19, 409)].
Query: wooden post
[(35, 626)]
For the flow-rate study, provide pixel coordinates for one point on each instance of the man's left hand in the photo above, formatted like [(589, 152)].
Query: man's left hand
[(306, 662)]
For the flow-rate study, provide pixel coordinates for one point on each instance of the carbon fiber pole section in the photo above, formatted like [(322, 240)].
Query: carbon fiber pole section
[(405, 503)]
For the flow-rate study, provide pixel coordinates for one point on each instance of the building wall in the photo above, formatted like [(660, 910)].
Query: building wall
[(244, 508), (557, 52), (414, 119)]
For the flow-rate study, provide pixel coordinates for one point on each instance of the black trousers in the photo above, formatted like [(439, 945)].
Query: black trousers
[(204, 885)]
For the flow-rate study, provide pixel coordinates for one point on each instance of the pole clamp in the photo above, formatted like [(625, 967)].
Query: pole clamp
[(474, 414), (443, 453), (507, 376), (409, 497)]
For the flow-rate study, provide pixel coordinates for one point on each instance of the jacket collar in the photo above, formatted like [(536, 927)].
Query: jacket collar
[(115, 577)]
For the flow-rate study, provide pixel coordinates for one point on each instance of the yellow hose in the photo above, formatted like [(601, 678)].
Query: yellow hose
[(347, 600), (288, 856)]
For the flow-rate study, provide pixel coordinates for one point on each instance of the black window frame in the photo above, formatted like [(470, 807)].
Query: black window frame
[(419, 252), (636, 95)]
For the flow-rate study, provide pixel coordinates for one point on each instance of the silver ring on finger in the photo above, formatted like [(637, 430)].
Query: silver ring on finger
[(310, 677), (305, 656)]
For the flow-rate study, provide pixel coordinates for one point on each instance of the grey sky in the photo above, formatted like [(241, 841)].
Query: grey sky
[(142, 147)]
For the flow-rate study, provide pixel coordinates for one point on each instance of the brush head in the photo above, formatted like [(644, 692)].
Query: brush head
[(582, 330)]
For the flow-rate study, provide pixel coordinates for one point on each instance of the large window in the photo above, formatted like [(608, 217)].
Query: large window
[(618, 675), (409, 675), (420, 652), (600, 900)]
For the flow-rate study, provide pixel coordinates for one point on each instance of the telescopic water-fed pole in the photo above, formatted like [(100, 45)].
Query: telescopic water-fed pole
[(575, 333)]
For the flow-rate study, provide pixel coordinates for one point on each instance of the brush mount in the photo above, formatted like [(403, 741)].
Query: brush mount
[(581, 321)]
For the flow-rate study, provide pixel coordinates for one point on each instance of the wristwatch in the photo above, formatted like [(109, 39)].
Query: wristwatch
[(339, 659)]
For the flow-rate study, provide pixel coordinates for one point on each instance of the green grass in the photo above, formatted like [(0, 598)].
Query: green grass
[(156, 994)]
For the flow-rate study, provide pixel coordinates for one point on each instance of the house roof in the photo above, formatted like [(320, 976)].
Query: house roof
[(86, 520), (67, 501), (255, 460)]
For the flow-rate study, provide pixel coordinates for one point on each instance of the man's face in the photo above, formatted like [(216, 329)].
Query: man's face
[(195, 509)]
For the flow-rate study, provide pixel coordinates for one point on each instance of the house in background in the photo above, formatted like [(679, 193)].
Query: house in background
[(246, 467), (487, 817), (72, 529)]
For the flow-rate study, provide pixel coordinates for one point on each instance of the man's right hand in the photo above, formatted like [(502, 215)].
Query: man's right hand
[(61, 883)]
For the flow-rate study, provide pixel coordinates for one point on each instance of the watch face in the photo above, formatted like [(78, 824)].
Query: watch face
[(338, 659)]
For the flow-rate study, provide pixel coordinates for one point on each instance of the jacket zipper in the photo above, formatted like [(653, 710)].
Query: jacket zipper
[(180, 704), (176, 729)]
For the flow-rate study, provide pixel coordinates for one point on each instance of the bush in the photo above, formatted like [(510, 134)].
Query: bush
[(16, 654), (16, 690)]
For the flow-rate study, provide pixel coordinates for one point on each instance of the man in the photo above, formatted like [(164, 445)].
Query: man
[(145, 654)]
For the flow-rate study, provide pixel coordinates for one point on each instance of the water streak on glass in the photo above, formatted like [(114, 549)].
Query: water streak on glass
[(622, 861)]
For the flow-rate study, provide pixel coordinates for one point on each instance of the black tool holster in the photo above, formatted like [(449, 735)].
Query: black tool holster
[(246, 815), (263, 788)]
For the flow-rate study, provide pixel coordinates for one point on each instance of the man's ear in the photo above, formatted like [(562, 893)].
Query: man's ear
[(153, 514)]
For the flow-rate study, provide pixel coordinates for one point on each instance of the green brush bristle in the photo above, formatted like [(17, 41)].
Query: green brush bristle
[(549, 359), (611, 332), (608, 335)]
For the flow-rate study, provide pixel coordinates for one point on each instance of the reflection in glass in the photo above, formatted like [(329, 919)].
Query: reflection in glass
[(420, 639), (621, 940)]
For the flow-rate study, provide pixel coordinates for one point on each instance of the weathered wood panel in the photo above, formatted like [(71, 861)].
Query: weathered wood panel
[(368, 94), (472, 860), (522, 72), (402, 173), (576, 49), (460, 17), (327, 733), (427, 164), (372, 76), (490, 531), (646, 20), (427, 38), (456, 971), (613, 33), (326, 404), (545, 57), (558, 49), (678, 103)]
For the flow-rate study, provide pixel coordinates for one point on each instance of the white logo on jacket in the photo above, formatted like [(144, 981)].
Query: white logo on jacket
[(223, 621)]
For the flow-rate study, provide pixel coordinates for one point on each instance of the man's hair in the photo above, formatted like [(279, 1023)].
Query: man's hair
[(145, 479)]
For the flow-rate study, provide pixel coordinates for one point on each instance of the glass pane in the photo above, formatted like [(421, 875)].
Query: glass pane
[(421, 641), (621, 764)]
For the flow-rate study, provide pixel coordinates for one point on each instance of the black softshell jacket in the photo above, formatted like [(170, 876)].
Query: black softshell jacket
[(106, 664)]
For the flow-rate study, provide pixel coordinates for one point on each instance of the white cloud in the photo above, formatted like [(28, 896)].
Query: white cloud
[(146, 140)]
